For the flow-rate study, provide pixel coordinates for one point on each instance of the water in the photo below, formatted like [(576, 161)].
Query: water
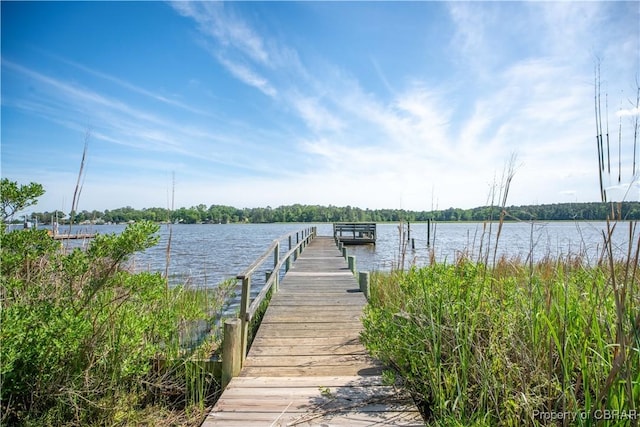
[(205, 254), (451, 240)]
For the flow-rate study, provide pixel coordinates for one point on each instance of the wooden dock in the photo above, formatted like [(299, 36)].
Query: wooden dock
[(355, 233), (306, 366), (73, 236)]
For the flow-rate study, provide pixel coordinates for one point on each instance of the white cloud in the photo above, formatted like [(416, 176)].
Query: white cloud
[(236, 44), (316, 116), (627, 191), (214, 19), (629, 112), (249, 77)]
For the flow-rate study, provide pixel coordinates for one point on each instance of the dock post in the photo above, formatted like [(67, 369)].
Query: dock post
[(244, 314), (365, 284), (352, 263), (231, 351), (344, 252), (290, 245), (276, 260), (267, 276), (287, 264)]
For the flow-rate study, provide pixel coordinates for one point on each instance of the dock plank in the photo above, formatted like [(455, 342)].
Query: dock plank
[(306, 366)]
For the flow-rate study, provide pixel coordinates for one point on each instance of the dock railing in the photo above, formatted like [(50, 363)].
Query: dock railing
[(236, 331)]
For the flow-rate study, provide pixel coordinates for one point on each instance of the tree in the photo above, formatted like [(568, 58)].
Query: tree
[(14, 197)]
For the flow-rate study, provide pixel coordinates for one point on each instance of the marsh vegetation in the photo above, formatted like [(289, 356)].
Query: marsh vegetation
[(86, 341)]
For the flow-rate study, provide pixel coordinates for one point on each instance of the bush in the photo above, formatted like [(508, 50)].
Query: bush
[(79, 332)]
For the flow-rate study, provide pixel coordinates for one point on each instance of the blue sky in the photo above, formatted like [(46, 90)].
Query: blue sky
[(413, 105)]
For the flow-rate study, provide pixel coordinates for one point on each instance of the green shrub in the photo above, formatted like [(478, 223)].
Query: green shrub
[(83, 338), (77, 329)]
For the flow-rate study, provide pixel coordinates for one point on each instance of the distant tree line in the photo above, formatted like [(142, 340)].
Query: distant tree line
[(315, 213)]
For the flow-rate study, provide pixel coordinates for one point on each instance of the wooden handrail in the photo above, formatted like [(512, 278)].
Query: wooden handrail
[(249, 308), (258, 262), (273, 278), (255, 264)]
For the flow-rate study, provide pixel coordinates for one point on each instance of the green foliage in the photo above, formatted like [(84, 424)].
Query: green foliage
[(80, 333), (76, 328), (14, 197), (497, 347), (314, 213)]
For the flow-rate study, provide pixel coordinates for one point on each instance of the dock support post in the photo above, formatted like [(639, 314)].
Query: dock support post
[(267, 276), (244, 314), (276, 260), (365, 284), (287, 264), (352, 263), (344, 252), (231, 351)]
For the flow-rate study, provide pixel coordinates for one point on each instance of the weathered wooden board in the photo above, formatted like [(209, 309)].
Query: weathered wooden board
[(348, 418), (269, 348), (268, 327), (309, 360), (306, 365), (306, 382), (290, 371)]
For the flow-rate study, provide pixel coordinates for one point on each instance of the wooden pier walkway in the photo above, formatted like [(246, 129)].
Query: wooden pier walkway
[(306, 366)]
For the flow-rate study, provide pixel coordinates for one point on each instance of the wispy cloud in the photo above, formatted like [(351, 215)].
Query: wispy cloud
[(116, 122), (236, 44), (523, 94), (215, 20), (247, 76), (629, 112), (316, 116), (131, 87)]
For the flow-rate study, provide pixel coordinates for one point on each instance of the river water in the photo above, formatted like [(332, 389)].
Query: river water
[(205, 254)]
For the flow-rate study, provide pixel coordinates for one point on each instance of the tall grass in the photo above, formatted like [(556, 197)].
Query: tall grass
[(508, 347), (507, 341)]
